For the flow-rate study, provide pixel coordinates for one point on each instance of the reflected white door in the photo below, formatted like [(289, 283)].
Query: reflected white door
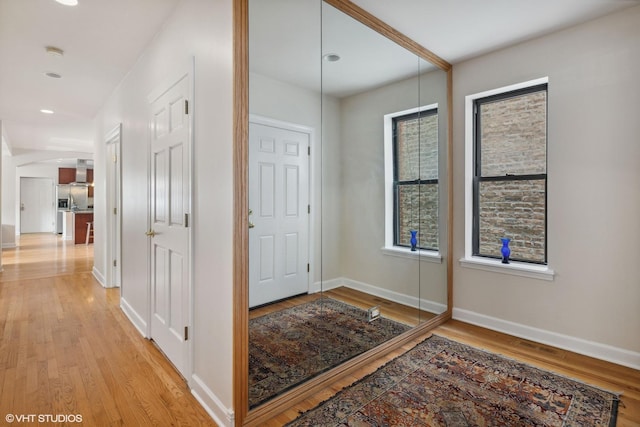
[(169, 234), (36, 205), (279, 216)]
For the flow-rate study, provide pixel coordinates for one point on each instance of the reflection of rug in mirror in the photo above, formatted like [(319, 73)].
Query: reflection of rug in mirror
[(291, 346), (444, 383)]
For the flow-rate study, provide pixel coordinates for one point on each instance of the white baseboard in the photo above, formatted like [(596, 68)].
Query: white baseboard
[(8, 245), (326, 285), (134, 317), (99, 277), (221, 415), (408, 300), (577, 345)]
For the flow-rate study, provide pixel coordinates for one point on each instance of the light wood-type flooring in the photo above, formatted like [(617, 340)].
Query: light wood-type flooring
[(389, 309), (67, 348)]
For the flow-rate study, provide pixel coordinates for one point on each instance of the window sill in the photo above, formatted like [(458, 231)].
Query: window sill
[(424, 255), (541, 272)]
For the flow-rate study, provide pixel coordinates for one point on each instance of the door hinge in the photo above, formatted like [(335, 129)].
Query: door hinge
[(308, 267), (115, 158), (115, 211), (309, 150), (186, 333), (186, 106), (115, 263), (308, 208), (186, 220)]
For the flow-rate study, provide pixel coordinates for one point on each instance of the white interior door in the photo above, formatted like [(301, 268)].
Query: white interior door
[(279, 216), (37, 210), (113, 207), (170, 190)]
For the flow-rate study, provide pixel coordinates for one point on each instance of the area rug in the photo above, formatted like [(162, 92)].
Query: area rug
[(443, 383), (293, 345)]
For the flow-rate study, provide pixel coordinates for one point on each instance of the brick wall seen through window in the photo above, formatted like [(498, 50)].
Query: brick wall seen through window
[(416, 178), (510, 180)]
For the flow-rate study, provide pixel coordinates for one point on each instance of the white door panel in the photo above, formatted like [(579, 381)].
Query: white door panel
[(278, 199), (37, 205), (170, 236)]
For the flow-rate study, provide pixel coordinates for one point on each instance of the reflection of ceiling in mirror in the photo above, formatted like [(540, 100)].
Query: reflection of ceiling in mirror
[(284, 44)]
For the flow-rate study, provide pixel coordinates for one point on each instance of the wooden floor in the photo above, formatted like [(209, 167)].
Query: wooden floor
[(389, 309), (67, 349)]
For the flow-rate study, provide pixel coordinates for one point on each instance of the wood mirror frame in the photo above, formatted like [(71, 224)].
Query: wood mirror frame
[(242, 414)]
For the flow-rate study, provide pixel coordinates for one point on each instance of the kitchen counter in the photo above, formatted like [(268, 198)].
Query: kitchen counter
[(74, 226), (76, 211), (67, 224), (80, 220)]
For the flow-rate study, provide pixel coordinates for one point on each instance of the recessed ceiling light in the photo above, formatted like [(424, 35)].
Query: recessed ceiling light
[(331, 57), (54, 51), (68, 2), (47, 111), (53, 75)]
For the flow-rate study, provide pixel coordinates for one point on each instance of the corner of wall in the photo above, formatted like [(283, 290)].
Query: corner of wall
[(221, 415), (135, 318), (99, 276)]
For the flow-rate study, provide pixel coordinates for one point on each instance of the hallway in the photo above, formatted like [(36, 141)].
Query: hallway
[(68, 350)]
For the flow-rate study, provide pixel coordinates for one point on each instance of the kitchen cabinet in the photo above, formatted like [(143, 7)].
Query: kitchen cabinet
[(80, 226), (66, 175)]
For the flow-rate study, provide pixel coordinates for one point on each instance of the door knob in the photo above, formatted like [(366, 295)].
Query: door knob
[(251, 225), (150, 233)]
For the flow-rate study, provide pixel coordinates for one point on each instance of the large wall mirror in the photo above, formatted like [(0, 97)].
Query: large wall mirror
[(347, 195)]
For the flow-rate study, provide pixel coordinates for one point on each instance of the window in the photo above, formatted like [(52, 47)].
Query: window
[(510, 174), (411, 170)]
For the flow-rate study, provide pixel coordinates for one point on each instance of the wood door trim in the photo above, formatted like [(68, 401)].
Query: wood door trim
[(364, 17), (241, 209)]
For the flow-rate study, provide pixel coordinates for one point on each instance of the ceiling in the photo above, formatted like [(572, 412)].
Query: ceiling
[(103, 38)]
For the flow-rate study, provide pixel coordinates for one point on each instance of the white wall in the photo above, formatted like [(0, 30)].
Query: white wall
[(8, 190), (200, 29), (593, 305), (2, 229)]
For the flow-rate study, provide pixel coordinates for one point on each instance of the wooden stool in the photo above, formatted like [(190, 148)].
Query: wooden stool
[(89, 233)]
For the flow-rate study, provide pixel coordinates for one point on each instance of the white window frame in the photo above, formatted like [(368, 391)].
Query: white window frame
[(524, 269), (389, 248)]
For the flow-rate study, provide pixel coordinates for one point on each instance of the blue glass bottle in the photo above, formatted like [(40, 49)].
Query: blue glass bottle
[(414, 239), (505, 250)]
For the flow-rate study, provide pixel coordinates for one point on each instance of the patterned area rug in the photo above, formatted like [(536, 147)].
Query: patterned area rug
[(293, 345), (443, 383)]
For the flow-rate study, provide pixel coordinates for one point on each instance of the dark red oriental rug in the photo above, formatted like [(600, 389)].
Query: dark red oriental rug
[(291, 346), (444, 383)]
